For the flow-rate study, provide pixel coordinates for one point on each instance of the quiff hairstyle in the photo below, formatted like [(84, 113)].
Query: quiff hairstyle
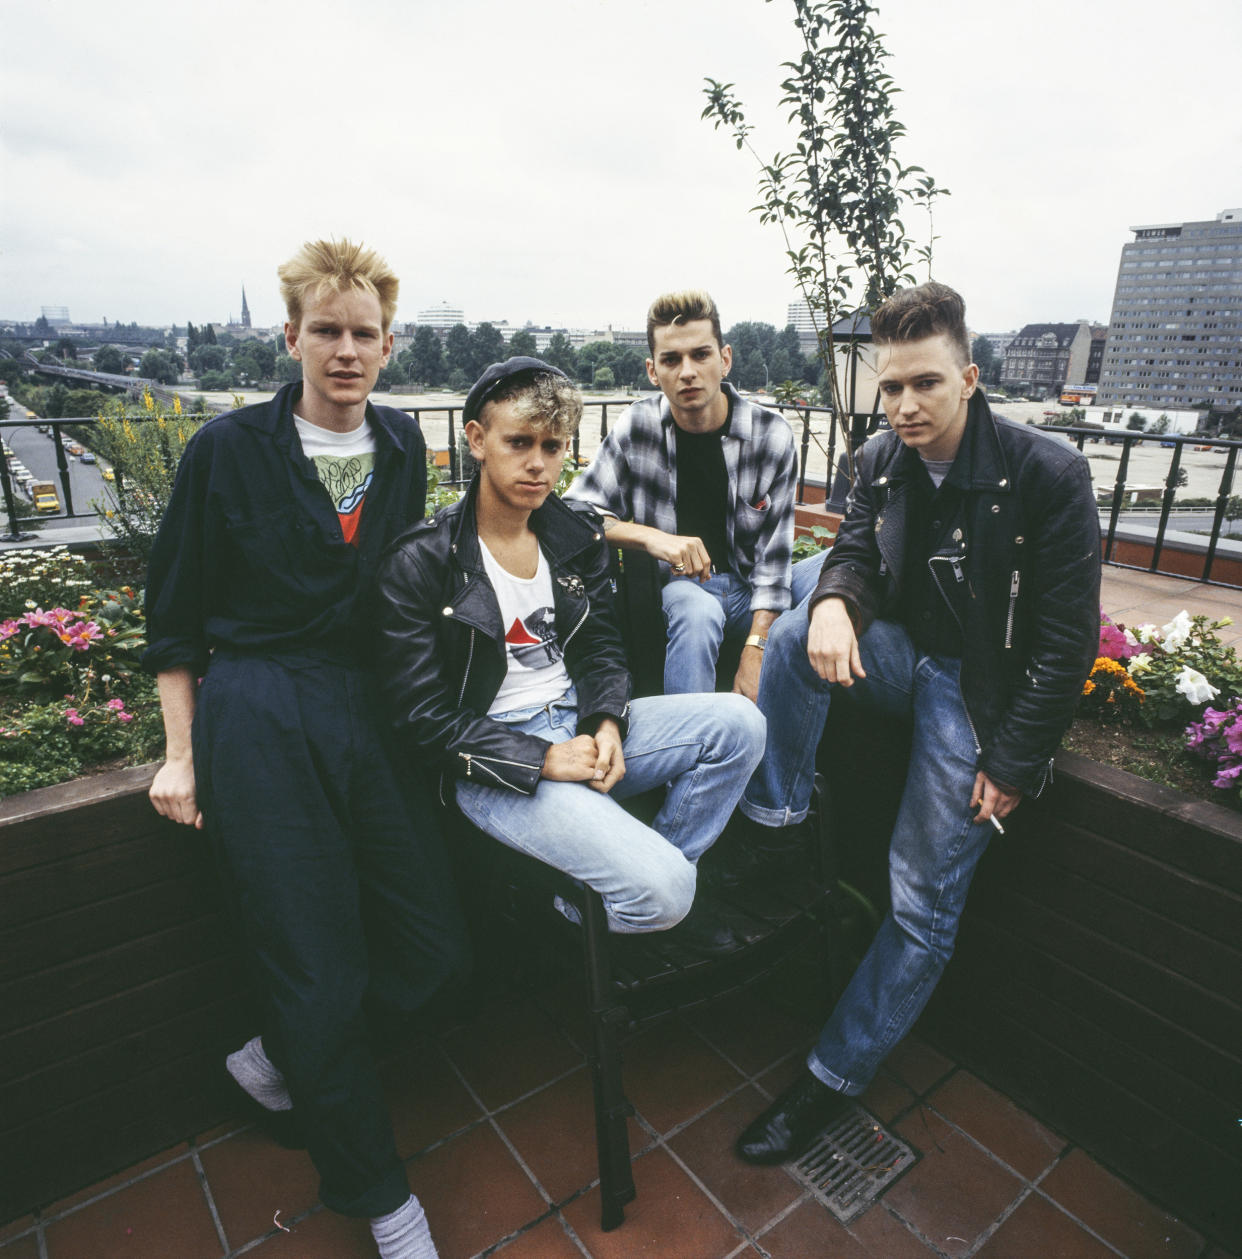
[(683, 307), (549, 402), (917, 313), (335, 266)]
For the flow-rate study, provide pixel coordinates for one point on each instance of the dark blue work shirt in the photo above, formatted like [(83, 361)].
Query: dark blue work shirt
[(250, 557)]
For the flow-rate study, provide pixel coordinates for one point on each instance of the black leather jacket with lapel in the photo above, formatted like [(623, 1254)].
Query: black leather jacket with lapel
[(1022, 574), (441, 650)]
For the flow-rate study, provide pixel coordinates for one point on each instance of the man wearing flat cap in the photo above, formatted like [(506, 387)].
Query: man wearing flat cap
[(504, 669)]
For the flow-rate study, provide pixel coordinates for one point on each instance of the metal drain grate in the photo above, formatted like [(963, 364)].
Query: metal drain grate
[(852, 1163)]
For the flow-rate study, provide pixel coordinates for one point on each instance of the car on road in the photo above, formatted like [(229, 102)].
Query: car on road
[(87, 456), (107, 474), (74, 448)]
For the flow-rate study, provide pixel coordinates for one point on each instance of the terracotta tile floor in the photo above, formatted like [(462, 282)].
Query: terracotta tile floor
[(495, 1118)]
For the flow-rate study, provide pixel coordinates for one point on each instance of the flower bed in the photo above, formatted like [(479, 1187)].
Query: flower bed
[(71, 693)]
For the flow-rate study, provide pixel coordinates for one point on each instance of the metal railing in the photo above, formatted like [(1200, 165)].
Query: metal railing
[(818, 435), (1177, 444)]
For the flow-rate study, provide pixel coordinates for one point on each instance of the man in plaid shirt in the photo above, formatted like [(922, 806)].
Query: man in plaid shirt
[(704, 481)]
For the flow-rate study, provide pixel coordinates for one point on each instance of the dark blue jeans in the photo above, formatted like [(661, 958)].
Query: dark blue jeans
[(343, 890)]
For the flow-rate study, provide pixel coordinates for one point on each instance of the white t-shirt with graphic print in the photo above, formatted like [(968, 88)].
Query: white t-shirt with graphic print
[(345, 463), (536, 674)]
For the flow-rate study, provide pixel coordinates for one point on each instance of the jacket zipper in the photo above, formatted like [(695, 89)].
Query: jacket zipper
[(461, 695), (576, 628), (1013, 600)]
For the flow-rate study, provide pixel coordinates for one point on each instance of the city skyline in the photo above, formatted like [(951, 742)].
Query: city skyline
[(498, 168)]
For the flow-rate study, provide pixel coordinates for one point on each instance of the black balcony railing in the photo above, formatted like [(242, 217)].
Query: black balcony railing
[(817, 435)]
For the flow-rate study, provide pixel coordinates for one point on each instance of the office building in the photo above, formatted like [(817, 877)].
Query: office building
[(1175, 335)]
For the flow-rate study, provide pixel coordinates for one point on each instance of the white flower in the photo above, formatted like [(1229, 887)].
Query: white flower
[(1195, 687), (1139, 664), (1148, 634), (1134, 642), (1177, 631)]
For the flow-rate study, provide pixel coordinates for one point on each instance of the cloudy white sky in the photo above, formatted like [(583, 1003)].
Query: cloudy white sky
[(545, 160)]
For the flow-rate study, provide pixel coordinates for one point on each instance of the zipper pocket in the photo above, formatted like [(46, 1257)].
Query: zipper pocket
[(461, 695)]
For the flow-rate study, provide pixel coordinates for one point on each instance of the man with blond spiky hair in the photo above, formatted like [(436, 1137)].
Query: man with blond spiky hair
[(256, 620)]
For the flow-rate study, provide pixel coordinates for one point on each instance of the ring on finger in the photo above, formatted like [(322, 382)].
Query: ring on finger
[(679, 568)]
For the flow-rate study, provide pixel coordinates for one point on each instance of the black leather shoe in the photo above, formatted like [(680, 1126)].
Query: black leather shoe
[(786, 1129), (704, 934), (749, 853)]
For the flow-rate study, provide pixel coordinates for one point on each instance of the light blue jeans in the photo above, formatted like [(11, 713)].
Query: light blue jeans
[(933, 852), (700, 615), (704, 747)]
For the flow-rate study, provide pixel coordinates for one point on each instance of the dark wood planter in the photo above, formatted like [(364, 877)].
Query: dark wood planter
[(118, 986), (1098, 982)]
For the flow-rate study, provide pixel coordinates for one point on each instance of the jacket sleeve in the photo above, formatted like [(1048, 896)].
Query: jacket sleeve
[(596, 656), (417, 694), (180, 573), (770, 577), (1061, 630), (852, 567)]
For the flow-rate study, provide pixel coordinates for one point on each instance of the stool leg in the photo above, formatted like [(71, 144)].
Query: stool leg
[(612, 1109)]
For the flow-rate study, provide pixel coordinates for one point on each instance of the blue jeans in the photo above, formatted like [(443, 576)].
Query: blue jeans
[(700, 615), (704, 747), (935, 847)]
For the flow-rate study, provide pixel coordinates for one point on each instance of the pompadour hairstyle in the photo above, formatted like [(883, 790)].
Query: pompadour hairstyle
[(335, 266), (685, 306), (548, 401), (916, 313)]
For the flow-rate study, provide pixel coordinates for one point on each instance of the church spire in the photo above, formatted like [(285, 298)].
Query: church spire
[(245, 315)]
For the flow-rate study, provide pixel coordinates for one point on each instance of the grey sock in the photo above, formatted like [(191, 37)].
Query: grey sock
[(253, 1070), (404, 1234)]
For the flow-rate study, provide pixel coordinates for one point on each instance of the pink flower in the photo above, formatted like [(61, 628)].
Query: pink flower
[(115, 704), (125, 716), (1114, 644), (71, 712), (75, 720), (81, 635), (9, 628)]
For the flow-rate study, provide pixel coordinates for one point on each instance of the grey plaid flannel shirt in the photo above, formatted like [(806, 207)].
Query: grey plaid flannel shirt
[(634, 477)]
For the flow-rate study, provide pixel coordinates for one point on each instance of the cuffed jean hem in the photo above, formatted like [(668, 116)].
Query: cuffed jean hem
[(772, 817), (831, 1079)]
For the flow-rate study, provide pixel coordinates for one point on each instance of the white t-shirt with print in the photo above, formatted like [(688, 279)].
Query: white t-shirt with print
[(345, 463), (536, 672)]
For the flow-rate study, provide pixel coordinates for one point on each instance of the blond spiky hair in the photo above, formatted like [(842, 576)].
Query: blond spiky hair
[(335, 266)]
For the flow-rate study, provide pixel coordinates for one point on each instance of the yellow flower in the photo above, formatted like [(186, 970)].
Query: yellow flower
[(176, 404), (1088, 686), (147, 400)]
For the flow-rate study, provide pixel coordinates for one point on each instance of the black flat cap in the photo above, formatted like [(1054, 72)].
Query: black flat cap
[(492, 377)]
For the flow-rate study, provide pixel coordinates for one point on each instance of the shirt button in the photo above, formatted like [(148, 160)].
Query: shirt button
[(448, 611)]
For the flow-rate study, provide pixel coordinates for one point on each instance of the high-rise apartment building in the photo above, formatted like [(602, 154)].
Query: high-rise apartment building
[(1175, 334)]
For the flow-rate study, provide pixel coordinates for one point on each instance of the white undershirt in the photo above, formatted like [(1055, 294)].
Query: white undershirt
[(536, 673)]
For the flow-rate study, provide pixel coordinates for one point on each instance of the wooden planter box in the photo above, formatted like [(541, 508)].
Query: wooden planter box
[(1098, 982), (118, 986)]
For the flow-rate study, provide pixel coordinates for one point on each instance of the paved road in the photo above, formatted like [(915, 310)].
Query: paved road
[(38, 452)]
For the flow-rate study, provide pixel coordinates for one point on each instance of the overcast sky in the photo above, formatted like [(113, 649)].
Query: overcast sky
[(545, 160)]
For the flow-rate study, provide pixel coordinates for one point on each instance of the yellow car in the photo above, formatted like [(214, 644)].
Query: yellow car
[(107, 474)]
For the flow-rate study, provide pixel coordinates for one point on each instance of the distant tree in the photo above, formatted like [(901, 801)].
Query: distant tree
[(459, 380), (215, 382), (57, 402), (158, 365), (256, 358), (85, 402), (780, 366), (983, 354), (457, 350), (425, 361), (208, 358), (590, 357), (287, 369), (630, 367), (487, 346), (42, 327), (109, 359), (523, 342), (192, 337), (1136, 423), (66, 348), (751, 374), (208, 335), (747, 337), (561, 354), (788, 341), (1161, 425), (603, 378)]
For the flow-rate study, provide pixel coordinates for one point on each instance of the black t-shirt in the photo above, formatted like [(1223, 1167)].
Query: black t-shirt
[(703, 490), (932, 603)]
